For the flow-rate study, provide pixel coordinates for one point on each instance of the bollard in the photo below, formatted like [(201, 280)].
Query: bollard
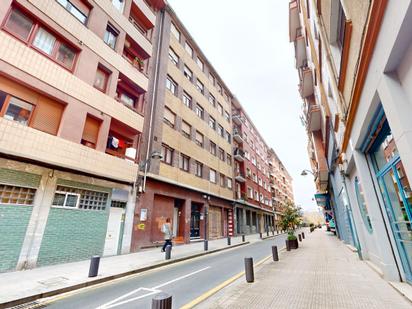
[(206, 245), (243, 238), (228, 241), (303, 235), (277, 232), (273, 232), (168, 252), (275, 253), (94, 266), (267, 232), (162, 301), (287, 245), (250, 277), (300, 237), (260, 234)]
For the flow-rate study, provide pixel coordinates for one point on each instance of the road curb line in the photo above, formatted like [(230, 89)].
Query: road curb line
[(222, 285), (78, 286)]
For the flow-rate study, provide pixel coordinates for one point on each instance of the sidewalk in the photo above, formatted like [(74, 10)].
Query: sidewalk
[(322, 273), (32, 283)]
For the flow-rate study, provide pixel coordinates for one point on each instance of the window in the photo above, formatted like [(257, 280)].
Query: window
[(80, 11), (90, 132), (212, 100), (229, 159), (249, 192), (15, 195), (341, 25), (220, 109), (199, 139), (119, 5), (212, 148), (212, 123), (175, 32), (229, 183), (212, 175), (171, 85), (198, 169), (200, 63), (126, 98), (228, 137), (227, 116), (19, 111), (173, 56), (362, 205), (221, 154), (254, 177), (199, 111), (187, 73), (200, 87), (19, 24), (187, 100), (222, 180), (184, 162), (256, 196), (219, 88), (189, 49), (110, 36), (167, 154), (101, 79), (212, 79), (65, 55), (169, 117), (186, 129), (80, 198), (220, 131)]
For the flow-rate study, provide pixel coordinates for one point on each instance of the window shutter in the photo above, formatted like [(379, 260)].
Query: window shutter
[(91, 130), (186, 127), (47, 116), (169, 116), (199, 137)]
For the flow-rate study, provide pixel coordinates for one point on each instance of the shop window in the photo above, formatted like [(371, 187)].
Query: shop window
[(15, 195), (110, 36), (101, 79), (69, 197), (362, 205), (77, 8), (90, 132)]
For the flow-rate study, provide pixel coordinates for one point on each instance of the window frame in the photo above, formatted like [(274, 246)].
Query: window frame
[(6, 105), (66, 194), (167, 150), (200, 111), (113, 31), (199, 167), (184, 163), (106, 82), (188, 98), (171, 81), (210, 176), (172, 54), (78, 10)]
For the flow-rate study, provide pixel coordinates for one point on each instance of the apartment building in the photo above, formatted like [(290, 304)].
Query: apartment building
[(73, 82), (189, 123), (359, 55), (254, 207)]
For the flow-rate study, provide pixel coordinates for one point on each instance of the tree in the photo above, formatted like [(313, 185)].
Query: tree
[(292, 218)]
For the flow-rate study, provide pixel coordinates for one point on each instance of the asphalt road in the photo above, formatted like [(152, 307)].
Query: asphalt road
[(185, 281)]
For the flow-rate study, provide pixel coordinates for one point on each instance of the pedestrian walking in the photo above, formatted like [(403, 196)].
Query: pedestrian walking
[(168, 234)]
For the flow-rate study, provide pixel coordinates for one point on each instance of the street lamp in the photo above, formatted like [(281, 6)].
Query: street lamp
[(144, 166), (305, 173)]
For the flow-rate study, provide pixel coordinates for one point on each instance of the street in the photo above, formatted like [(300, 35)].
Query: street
[(185, 281)]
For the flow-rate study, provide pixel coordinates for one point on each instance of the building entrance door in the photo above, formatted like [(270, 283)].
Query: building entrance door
[(195, 222)]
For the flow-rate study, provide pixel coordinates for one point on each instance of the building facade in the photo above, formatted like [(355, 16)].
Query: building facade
[(73, 81), (366, 80)]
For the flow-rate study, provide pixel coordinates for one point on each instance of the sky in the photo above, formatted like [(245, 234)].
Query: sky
[(247, 42)]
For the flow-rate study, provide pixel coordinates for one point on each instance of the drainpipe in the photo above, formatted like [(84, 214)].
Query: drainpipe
[(154, 96)]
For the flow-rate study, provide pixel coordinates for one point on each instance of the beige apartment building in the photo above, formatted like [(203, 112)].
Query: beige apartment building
[(73, 81)]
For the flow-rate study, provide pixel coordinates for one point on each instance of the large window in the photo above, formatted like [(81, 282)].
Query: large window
[(362, 205), (24, 28), (80, 198), (167, 154), (15, 195), (79, 11), (110, 36)]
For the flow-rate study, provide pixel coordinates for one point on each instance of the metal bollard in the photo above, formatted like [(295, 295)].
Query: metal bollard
[(94, 266), (300, 237), (260, 234), (250, 276), (275, 253), (162, 301), (168, 252), (229, 241), (273, 232), (287, 245), (206, 245), (277, 232), (243, 238), (303, 235), (267, 232)]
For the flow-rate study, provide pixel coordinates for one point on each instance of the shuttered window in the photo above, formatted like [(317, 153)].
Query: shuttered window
[(186, 129), (169, 117), (199, 138), (47, 116), (90, 132)]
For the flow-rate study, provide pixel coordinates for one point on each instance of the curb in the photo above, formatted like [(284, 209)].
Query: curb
[(78, 286)]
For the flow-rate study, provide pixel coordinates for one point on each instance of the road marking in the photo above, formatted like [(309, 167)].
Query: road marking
[(115, 302), (214, 290)]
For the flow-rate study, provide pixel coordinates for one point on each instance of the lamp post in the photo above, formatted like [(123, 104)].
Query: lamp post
[(305, 173), (144, 166)]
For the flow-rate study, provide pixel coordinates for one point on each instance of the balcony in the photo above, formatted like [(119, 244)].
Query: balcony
[(300, 50), (239, 154), (240, 177), (240, 196), (294, 21), (25, 142), (314, 117), (237, 135), (129, 94), (142, 18), (135, 55), (320, 165), (237, 118), (306, 82)]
